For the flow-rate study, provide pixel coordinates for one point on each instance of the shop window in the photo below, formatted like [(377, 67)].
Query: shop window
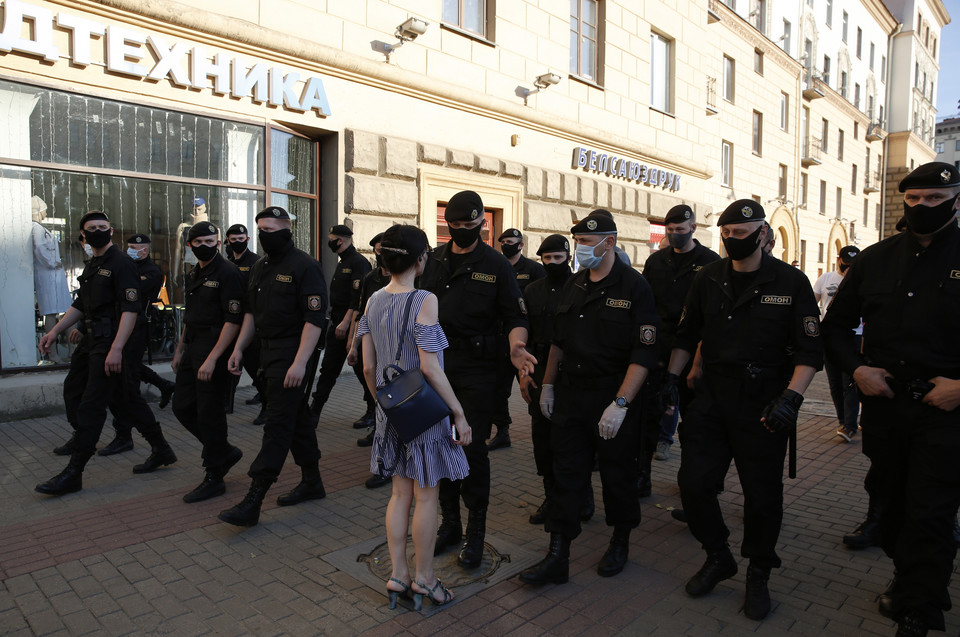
[(469, 15), (585, 39)]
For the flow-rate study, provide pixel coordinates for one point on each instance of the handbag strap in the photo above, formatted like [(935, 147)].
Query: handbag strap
[(403, 324)]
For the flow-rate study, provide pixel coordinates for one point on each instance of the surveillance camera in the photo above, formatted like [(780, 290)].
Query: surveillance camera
[(547, 79), (411, 28)]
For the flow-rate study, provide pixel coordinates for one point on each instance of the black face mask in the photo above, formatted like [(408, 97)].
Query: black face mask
[(204, 253), (927, 219), (465, 237), (557, 270), (96, 239), (679, 240), (739, 249), (334, 245), (238, 247), (510, 250), (275, 242), (843, 268), (379, 261)]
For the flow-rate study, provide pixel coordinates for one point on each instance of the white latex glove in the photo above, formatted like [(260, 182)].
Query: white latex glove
[(611, 420), (546, 401)]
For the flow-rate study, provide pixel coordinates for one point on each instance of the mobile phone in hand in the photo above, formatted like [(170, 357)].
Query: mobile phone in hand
[(456, 436)]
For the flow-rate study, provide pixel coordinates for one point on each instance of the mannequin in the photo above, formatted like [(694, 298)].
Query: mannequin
[(49, 279), (183, 259)]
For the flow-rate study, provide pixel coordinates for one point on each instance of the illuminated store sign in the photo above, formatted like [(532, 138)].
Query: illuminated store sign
[(613, 166), (30, 29)]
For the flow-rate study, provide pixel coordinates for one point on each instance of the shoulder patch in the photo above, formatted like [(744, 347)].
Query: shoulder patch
[(623, 304), (233, 306), (104, 272), (356, 284), (143, 278), (774, 299), (955, 274), (132, 294), (284, 278), (648, 334), (811, 325), (314, 303), (486, 278), (211, 284)]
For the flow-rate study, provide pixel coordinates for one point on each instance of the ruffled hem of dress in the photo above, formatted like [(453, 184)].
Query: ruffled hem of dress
[(426, 462)]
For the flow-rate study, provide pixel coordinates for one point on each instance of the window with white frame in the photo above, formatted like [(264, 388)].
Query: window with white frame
[(729, 77), (584, 38), (784, 111), (469, 15), (846, 26), (757, 132), (661, 81), (726, 164)]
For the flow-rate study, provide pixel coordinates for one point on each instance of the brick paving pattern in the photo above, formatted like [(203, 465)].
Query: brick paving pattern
[(127, 556)]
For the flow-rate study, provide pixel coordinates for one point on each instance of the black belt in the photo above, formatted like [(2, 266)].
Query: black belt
[(280, 343)]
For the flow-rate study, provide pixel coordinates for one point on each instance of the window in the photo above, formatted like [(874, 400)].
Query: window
[(820, 257), (584, 38), (958, 145), (782, 182), (843, 84), (803, 254), (787, 34), (876, 215), (760, 14), (661, 78), (856, 95), (840, 144), (916, 74), (873, 52), (880, 116), (758, 61), (866, 213), (870, 106), (859, 43), (729, 77), (883, 68), (939, 147), (846, 25), (826, 70), (726, 164), (823, 197), (830, 13), (757, 132), (839, 201), (468, 15), (784, 111), (824, 135), (803, 190), (856, 130), (853, 180)]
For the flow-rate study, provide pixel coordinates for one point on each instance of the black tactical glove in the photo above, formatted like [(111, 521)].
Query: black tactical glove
[(669, 391), (781, 414)]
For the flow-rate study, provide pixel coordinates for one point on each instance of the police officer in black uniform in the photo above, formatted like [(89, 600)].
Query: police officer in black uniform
[(758, 327), (212, 316), (906, 288), (285, 308), (478, 294), (528, 271), (240, 255), (344, 292), (108, 302), (669, 272), (604, 343)]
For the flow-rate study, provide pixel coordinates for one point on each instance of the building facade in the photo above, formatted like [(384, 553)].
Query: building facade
[(372, 112), (947, 142)]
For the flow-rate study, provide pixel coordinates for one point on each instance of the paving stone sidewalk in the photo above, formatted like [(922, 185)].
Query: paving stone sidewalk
[(127, 556)]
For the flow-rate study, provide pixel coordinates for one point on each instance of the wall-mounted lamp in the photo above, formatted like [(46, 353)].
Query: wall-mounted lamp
[(406, 32), (542, 82)]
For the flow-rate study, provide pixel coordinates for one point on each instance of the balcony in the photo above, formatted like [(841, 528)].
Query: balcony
[(713, 11), (871, 183), (875, 132), (811, 153), (813, 87), (712, 96)]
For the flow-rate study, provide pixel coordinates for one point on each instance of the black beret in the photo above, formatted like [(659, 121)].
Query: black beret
[(376, 239), (510, 233), (341, 230), (237, 228), (554, 243), (595, 223), (93, 215), (139, 239), (936, 174), (272, 212), (848, 254), (741, 211), (202, 229), (679, 214), (464, 206)]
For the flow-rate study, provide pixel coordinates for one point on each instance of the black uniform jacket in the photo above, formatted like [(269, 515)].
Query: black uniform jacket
[(244, 264), (286, 291), (213, 296), (109, 286), (909, 299), (480, 293), (345, 285), (671, 275), (606, 326), (527, 271), (543, 299), (371, 282), (773, 324)]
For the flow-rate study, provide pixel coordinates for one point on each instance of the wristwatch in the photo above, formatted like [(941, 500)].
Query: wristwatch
[(621, 402)]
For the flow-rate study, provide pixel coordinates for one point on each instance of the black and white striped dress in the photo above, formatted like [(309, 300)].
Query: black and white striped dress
[(432, 456)]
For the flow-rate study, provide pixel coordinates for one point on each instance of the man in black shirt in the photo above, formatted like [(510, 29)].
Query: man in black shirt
[(344, 290), (214, 309), (240, 255), (109, 303), (758, 328), (285, 308), (906, 289)]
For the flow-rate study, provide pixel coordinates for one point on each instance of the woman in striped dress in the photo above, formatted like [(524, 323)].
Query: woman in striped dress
[(418, 467)]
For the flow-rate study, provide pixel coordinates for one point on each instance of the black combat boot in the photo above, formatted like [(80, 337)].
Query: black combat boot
[(588, 507), (70, 480), (253, 401), (166, 393), (310, 488), (450, 530), (501, 440), (122, 441), (756, 603), (719, 566), (540, 515), (865, 535), (552, 569), (160, 455), (68, 447), (247, 513), (617, 552), (471, 551), (233, 457), (211, 487), (261, 418), (644, 485), (368, 419), (885, 599)]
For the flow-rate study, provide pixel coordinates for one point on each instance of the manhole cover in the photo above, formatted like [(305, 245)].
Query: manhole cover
[(445, 566)]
